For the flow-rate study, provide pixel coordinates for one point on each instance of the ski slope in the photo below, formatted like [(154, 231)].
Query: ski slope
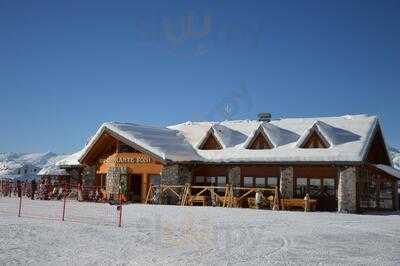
[(174, 235)]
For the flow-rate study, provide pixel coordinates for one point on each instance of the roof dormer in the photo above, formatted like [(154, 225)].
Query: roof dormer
[(210, 141)]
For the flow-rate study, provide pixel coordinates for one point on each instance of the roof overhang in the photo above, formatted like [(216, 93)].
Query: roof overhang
[(105, 130)]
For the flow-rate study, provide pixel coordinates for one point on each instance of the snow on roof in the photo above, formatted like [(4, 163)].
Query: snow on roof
[(52, 170), (389, 170), (276, 135), (348, 135), (71, 160), (165, 143), (349, 138)]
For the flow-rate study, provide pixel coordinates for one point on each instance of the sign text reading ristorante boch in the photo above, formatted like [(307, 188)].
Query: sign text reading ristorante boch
[(141, 159)]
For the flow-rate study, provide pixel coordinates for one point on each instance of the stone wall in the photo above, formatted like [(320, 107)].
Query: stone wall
[(176, 175), (234, 175), (347, 190), (286, 182), (116, 176)]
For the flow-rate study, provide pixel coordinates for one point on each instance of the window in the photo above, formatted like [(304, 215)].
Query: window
[(19, 172), (26, 171), (260, 182), (210, 180), (301, 187), (260, 142), (272, 182), (248, 181), (210, 143), (221, 181), (329, 187), (199, 180), (315, 187), (315, 141), (155, 180), (386, 195)]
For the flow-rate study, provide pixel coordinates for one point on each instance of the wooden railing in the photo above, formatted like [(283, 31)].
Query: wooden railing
[(183, 194)]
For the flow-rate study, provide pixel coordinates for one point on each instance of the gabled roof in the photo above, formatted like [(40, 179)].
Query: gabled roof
[(52, 170), (163, 143), (206, 138), (226, 137), (275, 135), (71, 160)]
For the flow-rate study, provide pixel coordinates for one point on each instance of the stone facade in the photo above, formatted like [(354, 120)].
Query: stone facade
[(234, 174), (347, 190), (286, 182), (116, 177), (176, 175), (88, 175)]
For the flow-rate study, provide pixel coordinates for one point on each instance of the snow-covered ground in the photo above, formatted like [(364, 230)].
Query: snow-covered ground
[(192, 235)]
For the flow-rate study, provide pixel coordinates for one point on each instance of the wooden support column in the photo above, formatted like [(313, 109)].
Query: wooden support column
[(145, 187)]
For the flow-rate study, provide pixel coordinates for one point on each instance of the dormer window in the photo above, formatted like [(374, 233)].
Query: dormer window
[(260, 142), (315, 140), (210, 142)]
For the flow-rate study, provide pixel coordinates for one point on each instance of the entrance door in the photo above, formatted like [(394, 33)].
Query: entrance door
[(135, 187)]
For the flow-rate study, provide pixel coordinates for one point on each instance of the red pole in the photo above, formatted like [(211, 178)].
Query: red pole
[(65, 199), (20, 204), (120, 211)]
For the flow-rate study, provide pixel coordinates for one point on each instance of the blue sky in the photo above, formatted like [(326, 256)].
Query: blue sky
[(68, 66)]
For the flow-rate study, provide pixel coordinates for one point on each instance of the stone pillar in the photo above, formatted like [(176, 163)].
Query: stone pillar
[(88, 175), (185, 174), (170, 175), (116, 176), (347, 190), (286, 182), (176, 175), (234, 175)]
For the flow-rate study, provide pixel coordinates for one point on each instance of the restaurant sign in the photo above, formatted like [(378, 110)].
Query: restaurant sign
[(113, 160)]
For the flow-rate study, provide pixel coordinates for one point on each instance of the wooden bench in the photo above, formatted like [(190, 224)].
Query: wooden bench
[(198, 199), (289, 203)]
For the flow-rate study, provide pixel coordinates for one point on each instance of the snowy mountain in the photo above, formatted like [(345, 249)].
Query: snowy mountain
[(12, 163), (395, 154)]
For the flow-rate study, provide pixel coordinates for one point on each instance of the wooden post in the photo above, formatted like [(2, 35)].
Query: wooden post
[(307, 203), (148, 193), (276, 200)]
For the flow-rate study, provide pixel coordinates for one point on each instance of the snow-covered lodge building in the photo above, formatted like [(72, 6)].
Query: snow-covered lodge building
[(343, 162)]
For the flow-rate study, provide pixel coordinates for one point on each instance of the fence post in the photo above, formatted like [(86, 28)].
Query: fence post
[(65, 200), (120, 210), (20, 204)]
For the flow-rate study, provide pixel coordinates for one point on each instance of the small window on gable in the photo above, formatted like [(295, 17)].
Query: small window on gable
[(315, 141), (210, 143), (260, 142)]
